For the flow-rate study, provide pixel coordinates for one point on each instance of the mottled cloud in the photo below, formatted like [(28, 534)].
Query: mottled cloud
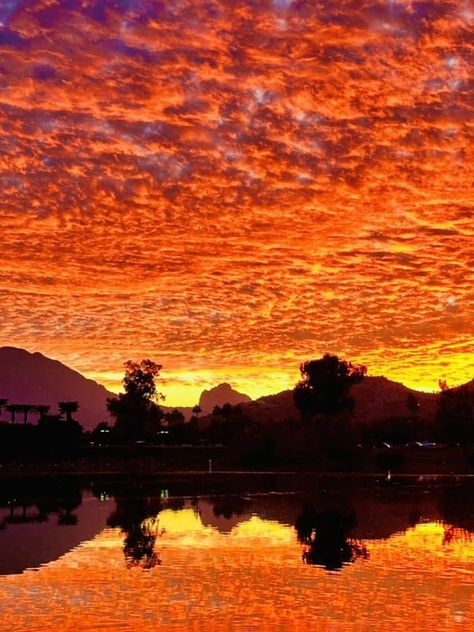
[(233, 187)]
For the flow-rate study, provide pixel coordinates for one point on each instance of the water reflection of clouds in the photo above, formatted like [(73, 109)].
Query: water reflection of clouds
[(323, 539), (248, 577)]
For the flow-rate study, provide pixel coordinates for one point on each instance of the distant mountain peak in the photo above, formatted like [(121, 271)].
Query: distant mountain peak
[(219, 395)]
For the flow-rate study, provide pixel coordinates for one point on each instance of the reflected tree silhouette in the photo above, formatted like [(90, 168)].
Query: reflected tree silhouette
[(325, 538), (66, 516), (457, 508), (70, 498), (139, 547), (140, 538), (33, 500)]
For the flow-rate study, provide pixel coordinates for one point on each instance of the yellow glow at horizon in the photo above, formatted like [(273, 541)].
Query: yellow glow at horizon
[(179, 394), (186, 389)]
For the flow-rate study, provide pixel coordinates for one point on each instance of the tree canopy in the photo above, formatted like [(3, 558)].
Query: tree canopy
[(140, 379), (68, 408), (455, 416), (325, 384), (136, 412)]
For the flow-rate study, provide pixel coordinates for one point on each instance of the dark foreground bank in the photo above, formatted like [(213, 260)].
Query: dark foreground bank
[(218, 459)]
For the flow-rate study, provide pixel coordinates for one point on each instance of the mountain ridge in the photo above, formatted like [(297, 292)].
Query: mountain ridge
[(32, 377), (376, 397)]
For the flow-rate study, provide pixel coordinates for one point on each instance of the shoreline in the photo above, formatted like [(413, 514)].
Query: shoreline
[(190, 463), (386, 475)]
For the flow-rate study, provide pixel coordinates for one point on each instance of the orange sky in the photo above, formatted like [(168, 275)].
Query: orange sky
[(233, 187)]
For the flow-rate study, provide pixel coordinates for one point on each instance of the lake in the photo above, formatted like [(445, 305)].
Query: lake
[(237, 552)]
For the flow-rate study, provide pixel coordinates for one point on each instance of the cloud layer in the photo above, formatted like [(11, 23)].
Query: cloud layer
[(233, 187)]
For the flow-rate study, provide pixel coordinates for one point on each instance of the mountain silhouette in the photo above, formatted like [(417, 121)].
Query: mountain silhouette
[(375, 398), (380, 398), (220, 395), (32, 378)]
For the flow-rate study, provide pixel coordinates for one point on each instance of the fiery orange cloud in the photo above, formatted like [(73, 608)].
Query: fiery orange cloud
[(231, 188)]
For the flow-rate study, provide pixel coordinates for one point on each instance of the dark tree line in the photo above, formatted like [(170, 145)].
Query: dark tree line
[(55, 434), (324, 428), (455, 418)]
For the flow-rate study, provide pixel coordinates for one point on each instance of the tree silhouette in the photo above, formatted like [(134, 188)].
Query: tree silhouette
[(140, 379), (68, 408), (42, 410), (325, 385), (443, 385), (413, 405), (58, 436), (3, 404), (197, 410), (455, 416), (102, 433), (25, 409), (137, 415), (13, 409), (224, 411), (174, 418), (139, 547)]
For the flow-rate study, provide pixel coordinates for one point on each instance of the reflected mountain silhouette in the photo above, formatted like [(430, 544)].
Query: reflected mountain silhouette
[(223, 514), (380, 512), (41, 519), (228, 507)]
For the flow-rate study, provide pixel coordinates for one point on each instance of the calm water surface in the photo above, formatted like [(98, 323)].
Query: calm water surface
[(237, 553)]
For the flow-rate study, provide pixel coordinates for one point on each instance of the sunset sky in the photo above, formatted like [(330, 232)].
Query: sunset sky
[(231, 188)]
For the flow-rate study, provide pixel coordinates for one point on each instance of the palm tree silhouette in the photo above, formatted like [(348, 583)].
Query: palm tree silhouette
[(42, 410), (3, 404), (25, 409), (197, 410), (13, 409), (67, 408)]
